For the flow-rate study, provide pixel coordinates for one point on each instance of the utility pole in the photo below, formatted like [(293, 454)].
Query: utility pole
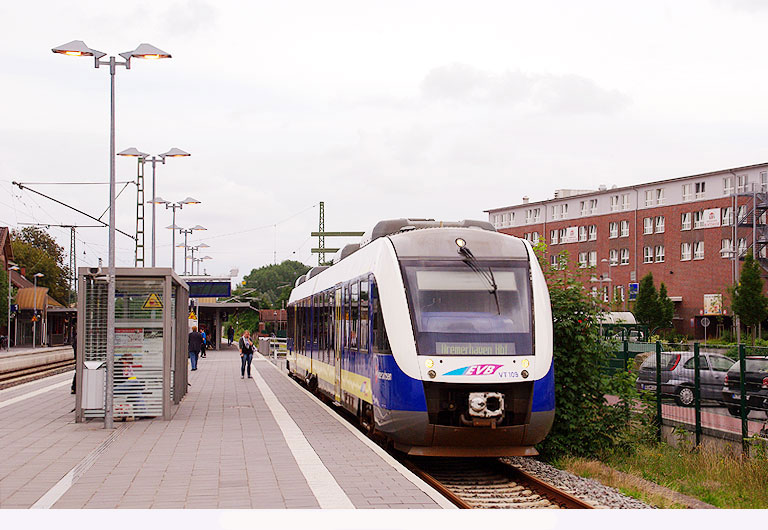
[(321, 234)]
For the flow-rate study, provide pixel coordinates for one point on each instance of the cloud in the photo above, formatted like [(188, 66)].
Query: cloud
[(563, 94), (184, 18), (744, 5)]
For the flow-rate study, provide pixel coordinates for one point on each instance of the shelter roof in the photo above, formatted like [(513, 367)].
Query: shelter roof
[(26, 297)]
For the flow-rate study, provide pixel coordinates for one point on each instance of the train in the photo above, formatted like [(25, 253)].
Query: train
[(436, 336)]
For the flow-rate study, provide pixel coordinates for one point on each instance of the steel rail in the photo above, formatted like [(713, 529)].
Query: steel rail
[(24, 375)]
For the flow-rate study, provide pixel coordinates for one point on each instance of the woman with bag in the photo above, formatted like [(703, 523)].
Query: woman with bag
[(246, 353)]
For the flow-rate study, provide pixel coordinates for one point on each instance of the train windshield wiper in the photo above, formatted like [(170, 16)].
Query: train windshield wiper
[(471, 262)]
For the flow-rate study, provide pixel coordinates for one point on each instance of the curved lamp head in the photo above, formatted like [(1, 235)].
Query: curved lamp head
[(173, 227), (206, 257), (145, 51), (203, 245), (39, 275), (77, 48), (190, 200), (132, 151), (174, 152), (157, 200), (198, 227)]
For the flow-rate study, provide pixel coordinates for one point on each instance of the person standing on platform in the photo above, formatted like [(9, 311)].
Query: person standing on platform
[(74, 349), (230, 335), (205, 341), (195, 344), (246, 353)]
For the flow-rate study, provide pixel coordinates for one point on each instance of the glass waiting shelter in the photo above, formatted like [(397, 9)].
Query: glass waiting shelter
[(150, 373)]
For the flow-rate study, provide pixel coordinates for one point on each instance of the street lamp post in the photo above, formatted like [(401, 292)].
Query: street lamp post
[(77, 48), (186, 232), (13, 267), (34, 311), (198, 260), (154, 159), (174, 206)]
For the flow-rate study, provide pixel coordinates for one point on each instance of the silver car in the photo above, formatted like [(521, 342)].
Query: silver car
[(678, 375)]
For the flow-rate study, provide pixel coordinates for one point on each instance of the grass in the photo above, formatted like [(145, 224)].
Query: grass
[(721, 480)]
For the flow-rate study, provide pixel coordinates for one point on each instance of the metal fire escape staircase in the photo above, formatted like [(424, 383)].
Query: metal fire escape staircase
[(754, 219)]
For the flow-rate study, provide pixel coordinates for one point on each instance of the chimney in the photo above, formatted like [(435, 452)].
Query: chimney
[(23, 271), (525, 199)]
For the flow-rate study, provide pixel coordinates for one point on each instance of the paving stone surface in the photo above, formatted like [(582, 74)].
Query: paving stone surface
[(222, 449)]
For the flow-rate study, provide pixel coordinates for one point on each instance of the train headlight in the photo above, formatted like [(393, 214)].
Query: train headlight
[(429, 363), (432, 374), (460, 242), (524, 373), (525, 363)]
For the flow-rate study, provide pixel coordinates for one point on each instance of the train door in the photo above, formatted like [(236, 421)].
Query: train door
[(337, 347)]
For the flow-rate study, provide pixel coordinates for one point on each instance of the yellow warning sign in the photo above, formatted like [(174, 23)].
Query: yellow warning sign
[(192, 315), (152, 302)]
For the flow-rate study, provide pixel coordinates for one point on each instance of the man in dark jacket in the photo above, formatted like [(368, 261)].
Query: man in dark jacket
[(195, 344), (73, 341)]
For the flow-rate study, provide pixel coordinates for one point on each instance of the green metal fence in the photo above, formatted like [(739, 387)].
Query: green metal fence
[(701, 392)]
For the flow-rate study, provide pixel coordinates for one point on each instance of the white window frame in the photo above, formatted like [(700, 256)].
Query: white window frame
[(592, 233), (698, 250), (685, 221), (687, 192), (583, 208), (764, 182), (698, 219), (659, 253), (614, 203), (625, 201), (582, 233), (659, 196), (535, 238), (553, 237), (613, 230), (582, 260), (685, 252), (613, 257), (660, 221), (727, 215), (648, 225), (700, 189), (593, 258), (624, 256), (624, 228), (727, 185), (742, 246), (742, 183), (555, 212), (647, 254), (726, 248), (592, 206), (564, 211), (649, 195)]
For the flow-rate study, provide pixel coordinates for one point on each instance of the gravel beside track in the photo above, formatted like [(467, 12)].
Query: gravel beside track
[(589, 490)]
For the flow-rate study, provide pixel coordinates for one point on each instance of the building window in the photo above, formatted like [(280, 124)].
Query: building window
[(535, 238), (528, 217), (659, 195), (764, 181), (659, 253), (582, 233), (553, 237), (605, 294), (563, 233), (593, 206), (726, 248), (594, 291), (698, 250), (614, 203), (742, 216), (727, 216), (647, 254), (555, 261), (727, 185), (613, 257), (555, 212), (613, 230), (592, 258), (624, 229), (660, 224), (742, 246), (649, 197), (700, 189), (687, 192), (743, 181), (648, 225), (624, 260), (582, 260), (593, 232), (563, 211), (685, 252), (685, 221), (583, 208), (698, 218), (527, 236), (618, 293), (625, 201)]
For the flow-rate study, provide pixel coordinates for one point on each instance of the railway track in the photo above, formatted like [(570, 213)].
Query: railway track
[(490, 483), (17, 377)]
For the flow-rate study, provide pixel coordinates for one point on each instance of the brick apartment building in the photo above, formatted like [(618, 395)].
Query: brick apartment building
[(681, 229)]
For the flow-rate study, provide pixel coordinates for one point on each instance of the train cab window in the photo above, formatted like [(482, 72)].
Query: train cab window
[(458, 309), (354, 314), (380, 343), (363, 331)]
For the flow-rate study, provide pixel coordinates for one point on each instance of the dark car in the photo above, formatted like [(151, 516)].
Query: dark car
[(678, 375), (755, 382)]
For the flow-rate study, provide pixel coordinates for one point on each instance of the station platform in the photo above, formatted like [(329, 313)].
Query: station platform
[(232, 443)]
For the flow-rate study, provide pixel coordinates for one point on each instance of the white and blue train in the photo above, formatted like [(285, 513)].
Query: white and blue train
[(436, 335)]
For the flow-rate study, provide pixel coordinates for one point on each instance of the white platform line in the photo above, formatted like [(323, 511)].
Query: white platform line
[(433, 494), (324, 487), (61, 487), (34, 393), (54, 377)]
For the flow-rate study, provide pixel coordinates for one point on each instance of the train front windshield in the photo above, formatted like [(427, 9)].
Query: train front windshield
[(460, 310)]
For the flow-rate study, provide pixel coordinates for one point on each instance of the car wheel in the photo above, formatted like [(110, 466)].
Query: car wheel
[(684, 396), (734, 411)]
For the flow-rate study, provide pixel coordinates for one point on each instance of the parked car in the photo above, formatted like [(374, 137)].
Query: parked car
[(678, 375), (756, 386)]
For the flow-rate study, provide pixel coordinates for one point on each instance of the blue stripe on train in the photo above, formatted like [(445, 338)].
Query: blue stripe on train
[(544, 392), (393, 390)]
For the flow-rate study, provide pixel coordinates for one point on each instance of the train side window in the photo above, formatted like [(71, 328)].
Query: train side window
[(354, 315), (380, 343), (345, 339), (363, 331)]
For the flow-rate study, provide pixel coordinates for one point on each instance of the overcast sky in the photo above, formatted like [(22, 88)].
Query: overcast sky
[(381, 109)]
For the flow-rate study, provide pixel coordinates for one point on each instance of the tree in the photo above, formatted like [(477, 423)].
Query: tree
[(748, 301), (273, 283), (37, 251), (666, 309), (3, 299), (585, 424), (647, 303)]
